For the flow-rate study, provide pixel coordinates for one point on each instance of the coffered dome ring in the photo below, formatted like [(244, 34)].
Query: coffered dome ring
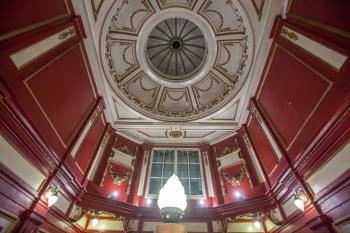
[(174, 101), (192, 17)]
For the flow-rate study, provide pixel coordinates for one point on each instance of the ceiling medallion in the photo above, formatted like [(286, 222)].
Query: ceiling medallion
[(174, 63), (176, 133)]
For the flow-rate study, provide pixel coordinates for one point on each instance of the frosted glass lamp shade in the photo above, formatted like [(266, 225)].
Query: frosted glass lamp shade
[(172, 200)]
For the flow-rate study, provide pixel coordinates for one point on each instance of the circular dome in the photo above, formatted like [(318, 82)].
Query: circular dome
[(176, 62), (176, 49)]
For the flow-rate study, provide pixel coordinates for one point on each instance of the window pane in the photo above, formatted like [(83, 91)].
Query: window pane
[(169, 156), (185, 183), (182, 170), (164, 180), (156, 170), (168, 169), (195, 171), (154, 186), (196, 187), (193, 155), (182, 156), (158, 156)]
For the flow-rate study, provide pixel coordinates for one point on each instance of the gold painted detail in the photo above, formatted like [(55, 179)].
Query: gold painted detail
[(258, 8), (96, 8), (226, 60), (228, 150), (290, 35), (79, 212), (124, 149), (69, 32), (124, 61), (236, 180), (117, 179), (220, 17), (190, 4), (136, 11), (175, 134)]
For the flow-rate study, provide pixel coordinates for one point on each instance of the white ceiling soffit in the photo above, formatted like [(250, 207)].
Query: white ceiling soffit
[(164, 105)]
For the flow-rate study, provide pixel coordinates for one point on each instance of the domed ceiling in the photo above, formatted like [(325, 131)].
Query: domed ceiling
[(182, 61), (177, 71)]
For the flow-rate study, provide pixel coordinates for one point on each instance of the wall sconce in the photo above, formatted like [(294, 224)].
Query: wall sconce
[(257, 223), (94, 222), (300, 199), (52, 196)]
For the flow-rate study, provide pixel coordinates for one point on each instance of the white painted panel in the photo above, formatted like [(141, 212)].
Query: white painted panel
[(196, 226), (133, 224), (122, 158), (62, 203), (150, 226), (143, 174), (269, 225), (84, 133), (217, 226), (344, 227), (24, 56), (243, 227), (328, 55), (82, 222), (17, 164), (289, 207), (229, 159), (331, 170), (208, 175), (98, 157), (107, 225)]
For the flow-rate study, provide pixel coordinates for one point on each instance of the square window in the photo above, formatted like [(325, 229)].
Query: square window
[(185, 164)]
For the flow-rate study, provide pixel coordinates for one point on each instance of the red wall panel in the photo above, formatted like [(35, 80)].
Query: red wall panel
[(262, 146), (89, 146), (331, 12), (64, 92), (286, 95), (16, 14)]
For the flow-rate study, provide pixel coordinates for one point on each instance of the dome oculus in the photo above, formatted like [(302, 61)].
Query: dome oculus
[(176, 49)]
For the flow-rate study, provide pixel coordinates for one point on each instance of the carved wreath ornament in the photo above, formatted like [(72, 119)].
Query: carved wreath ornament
[(116, 179), (236, 180)]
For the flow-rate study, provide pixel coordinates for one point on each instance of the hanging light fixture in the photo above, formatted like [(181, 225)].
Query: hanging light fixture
[(300, 199), (51, 196), (172, 200)]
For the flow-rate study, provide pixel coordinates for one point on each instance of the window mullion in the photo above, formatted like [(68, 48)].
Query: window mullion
[(175, 162)]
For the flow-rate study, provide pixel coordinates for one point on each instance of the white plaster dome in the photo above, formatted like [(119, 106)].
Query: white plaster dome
[(176, 60)]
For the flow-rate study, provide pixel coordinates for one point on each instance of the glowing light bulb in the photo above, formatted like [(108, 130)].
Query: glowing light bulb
[(148, 201), (115, 194), (94, 222), (201, 201), (257, 224), (51, 200), (237, 194), (299, 203)]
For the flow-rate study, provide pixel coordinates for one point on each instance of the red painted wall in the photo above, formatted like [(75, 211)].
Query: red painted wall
[(305, 105), (44, 108)]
